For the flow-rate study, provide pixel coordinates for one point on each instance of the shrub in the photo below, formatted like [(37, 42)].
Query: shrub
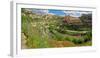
[(57, 35), (88, 36), (74, 39)]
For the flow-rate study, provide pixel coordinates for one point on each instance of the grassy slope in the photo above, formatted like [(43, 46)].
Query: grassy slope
[(39, 37)]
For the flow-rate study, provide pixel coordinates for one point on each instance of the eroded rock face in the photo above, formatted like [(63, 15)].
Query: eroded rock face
[(23, 41), (72, 20)]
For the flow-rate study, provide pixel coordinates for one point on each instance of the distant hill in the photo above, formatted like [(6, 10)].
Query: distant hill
[(67, 19), (72, 20)]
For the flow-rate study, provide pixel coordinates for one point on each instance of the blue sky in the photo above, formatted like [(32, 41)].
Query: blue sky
[(57, 12), (75, 13)]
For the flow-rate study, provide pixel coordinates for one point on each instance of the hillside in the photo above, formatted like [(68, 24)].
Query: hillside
[(47, 31)]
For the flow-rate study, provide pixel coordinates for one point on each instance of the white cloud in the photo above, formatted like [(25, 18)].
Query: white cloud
[(85, 12), (76, 13), (52, 13), (40, 11), (71, 13)]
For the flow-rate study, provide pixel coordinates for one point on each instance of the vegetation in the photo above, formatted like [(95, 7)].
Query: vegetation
[(47, 31)]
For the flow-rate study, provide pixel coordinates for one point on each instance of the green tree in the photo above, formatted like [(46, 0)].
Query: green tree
[(86, 20)]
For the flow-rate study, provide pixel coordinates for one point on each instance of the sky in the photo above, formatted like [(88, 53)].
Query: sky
[(56, 12), (74, 13)]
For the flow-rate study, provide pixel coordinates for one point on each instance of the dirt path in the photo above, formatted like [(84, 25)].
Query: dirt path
[(56, 43)]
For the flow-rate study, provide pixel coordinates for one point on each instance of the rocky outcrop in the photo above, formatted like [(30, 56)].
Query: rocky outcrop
[(72, 20)]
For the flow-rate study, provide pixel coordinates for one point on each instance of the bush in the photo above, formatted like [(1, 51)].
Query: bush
[(61, 37), (88, 36), (34, 38), (74, 39), (70, 32), (56, 35)]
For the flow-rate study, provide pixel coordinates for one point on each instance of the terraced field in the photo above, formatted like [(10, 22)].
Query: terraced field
[(50, 31)]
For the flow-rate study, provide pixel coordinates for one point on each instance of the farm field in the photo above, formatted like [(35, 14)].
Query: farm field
[(48, 28)]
